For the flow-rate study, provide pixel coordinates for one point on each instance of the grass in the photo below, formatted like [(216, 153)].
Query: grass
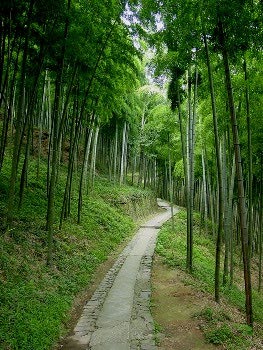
[(157, 331), (35, 300), (220, 328)]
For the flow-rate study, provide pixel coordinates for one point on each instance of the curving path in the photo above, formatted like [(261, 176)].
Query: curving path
[(117, 317)]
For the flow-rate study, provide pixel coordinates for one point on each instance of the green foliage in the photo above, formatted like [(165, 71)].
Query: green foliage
[(244, 329), (233, 337), (179, 45), (212, 315), (220, 335), (179, 169)]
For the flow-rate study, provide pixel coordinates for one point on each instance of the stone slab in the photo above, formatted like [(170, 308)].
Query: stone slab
[(112, 346), (107, 335)]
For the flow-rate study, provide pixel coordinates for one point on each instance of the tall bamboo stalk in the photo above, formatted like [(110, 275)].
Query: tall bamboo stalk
[(260, 224), (249, 158)]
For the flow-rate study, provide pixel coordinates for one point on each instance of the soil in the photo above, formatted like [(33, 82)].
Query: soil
[(174, 304)]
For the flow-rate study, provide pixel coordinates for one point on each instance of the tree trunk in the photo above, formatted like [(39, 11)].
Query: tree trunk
[(225, 184), (219, 173), (229, 218), (260, 224), (205, 192), (3, 35), (40, 123), (93, 158), (170, 184), (123, 153), (249, 158), (83, 174), (115, 156), (74, 134), (189, 258)]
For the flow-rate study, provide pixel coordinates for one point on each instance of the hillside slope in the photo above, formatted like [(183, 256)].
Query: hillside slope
[(35, 299), (183, 303)]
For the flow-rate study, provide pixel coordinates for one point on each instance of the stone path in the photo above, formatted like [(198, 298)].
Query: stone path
[(117, 317)]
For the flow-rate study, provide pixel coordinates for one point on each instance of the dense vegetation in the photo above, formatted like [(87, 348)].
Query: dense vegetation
[(161, 95)]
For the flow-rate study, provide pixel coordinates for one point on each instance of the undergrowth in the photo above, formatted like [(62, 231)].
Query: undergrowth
[(35, 300), (220, 328)]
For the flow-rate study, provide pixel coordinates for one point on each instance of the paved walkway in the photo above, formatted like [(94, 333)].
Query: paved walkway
[(117, 317)]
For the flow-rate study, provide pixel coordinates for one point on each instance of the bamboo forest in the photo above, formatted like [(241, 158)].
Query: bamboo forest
[(106, 106)]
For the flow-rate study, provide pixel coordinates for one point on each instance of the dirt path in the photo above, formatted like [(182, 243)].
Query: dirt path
[(124, 320), (174, 304)]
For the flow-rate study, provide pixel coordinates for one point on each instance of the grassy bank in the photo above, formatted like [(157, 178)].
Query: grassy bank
[(35, 300), (223, 323)]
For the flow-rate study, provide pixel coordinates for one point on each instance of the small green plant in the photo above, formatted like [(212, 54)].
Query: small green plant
[(219, 335), (233, 337), (207, 314), (213, 315), (244, 329), (157, 331)]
